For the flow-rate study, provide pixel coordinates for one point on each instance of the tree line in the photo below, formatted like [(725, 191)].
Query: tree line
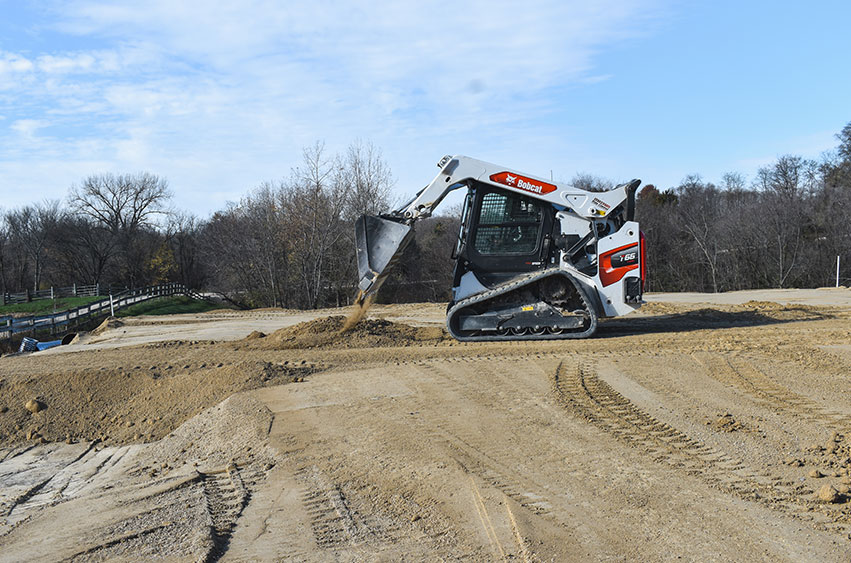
[(290, 243), (784, 228)]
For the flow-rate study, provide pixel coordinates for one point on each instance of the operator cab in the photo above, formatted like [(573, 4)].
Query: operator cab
[(503, 234)]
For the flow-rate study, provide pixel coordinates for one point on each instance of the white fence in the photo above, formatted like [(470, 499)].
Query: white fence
[(65, 321), (51, 293)]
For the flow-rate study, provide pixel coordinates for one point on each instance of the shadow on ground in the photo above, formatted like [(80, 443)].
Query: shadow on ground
[(703, 319)]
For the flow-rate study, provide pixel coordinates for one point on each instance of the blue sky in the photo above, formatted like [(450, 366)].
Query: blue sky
[(221, 96)]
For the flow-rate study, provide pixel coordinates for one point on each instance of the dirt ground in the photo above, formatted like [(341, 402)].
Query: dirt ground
[(704, 428)]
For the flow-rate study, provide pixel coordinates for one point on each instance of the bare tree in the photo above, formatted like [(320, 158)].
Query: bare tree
[(368, 180), (701, 214), (785, 185), (246, 252), (79, 251), (591, 183), (5, 237), (182, 236), (732, 181), (315, 200), (32, 226), (124, 205)]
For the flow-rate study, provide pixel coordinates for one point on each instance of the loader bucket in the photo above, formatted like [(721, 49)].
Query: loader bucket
[(379, 241)]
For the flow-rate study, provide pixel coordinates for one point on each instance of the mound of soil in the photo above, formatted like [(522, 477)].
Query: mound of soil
[(658, 308), (329, 331), (131, 403), (787, 312), (108, 323), (750, 313)]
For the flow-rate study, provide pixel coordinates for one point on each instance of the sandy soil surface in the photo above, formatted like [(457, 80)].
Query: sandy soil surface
[(697, 430), (825, 296)]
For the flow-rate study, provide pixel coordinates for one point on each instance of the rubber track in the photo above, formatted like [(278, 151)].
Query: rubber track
[(510, 286)]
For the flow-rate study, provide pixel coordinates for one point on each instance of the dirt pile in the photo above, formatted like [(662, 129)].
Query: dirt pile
[(335, 331), (752, 310), (695, 316), (135, 402), (108, 323)]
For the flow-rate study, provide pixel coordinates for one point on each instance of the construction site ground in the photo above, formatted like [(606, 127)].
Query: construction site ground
[(703, 428)]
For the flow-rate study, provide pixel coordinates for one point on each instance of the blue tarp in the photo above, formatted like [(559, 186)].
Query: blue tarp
[(32, 345)]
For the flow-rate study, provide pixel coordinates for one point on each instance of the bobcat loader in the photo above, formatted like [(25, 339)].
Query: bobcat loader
[(535, 260)]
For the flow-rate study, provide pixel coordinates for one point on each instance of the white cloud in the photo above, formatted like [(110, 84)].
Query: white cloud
[(101, 62), (27, 128), (12, 62), (228, 92)]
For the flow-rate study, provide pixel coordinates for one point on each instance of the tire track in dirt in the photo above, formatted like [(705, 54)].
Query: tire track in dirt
[(225, 496), (581, 391), (743, 375), (481, 455), (502, 383), (488, 454), (360, 505), (335, 523)]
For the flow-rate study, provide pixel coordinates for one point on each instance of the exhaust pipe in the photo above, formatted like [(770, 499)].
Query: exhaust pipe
[(379, 243)]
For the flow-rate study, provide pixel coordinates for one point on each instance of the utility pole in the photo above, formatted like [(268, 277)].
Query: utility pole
[(837, 271)]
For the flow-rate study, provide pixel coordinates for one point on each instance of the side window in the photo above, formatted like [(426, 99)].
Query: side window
[(508, 224)]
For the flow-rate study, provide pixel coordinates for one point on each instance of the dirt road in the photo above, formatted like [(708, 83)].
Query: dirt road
[(701, 432)]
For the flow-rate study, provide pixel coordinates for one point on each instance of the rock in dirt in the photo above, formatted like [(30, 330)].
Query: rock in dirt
[(827, 493), (255, 334), (816, 474), (726, 423), (35, 405)]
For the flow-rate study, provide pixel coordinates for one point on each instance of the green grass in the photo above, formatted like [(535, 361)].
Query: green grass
[(47, 306), (168, 306)]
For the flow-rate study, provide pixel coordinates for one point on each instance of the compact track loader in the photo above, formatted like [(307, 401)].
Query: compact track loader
[(535, 260)]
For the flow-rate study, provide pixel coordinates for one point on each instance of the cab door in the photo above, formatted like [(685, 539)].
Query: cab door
[(508, 234)]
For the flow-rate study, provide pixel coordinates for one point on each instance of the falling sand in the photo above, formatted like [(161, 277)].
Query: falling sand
[(361, 306)]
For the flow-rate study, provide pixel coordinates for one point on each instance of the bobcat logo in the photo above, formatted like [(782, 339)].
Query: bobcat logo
[(510, 180)]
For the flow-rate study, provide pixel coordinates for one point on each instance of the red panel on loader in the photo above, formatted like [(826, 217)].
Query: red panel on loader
[(615, 263), (522, 183)]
